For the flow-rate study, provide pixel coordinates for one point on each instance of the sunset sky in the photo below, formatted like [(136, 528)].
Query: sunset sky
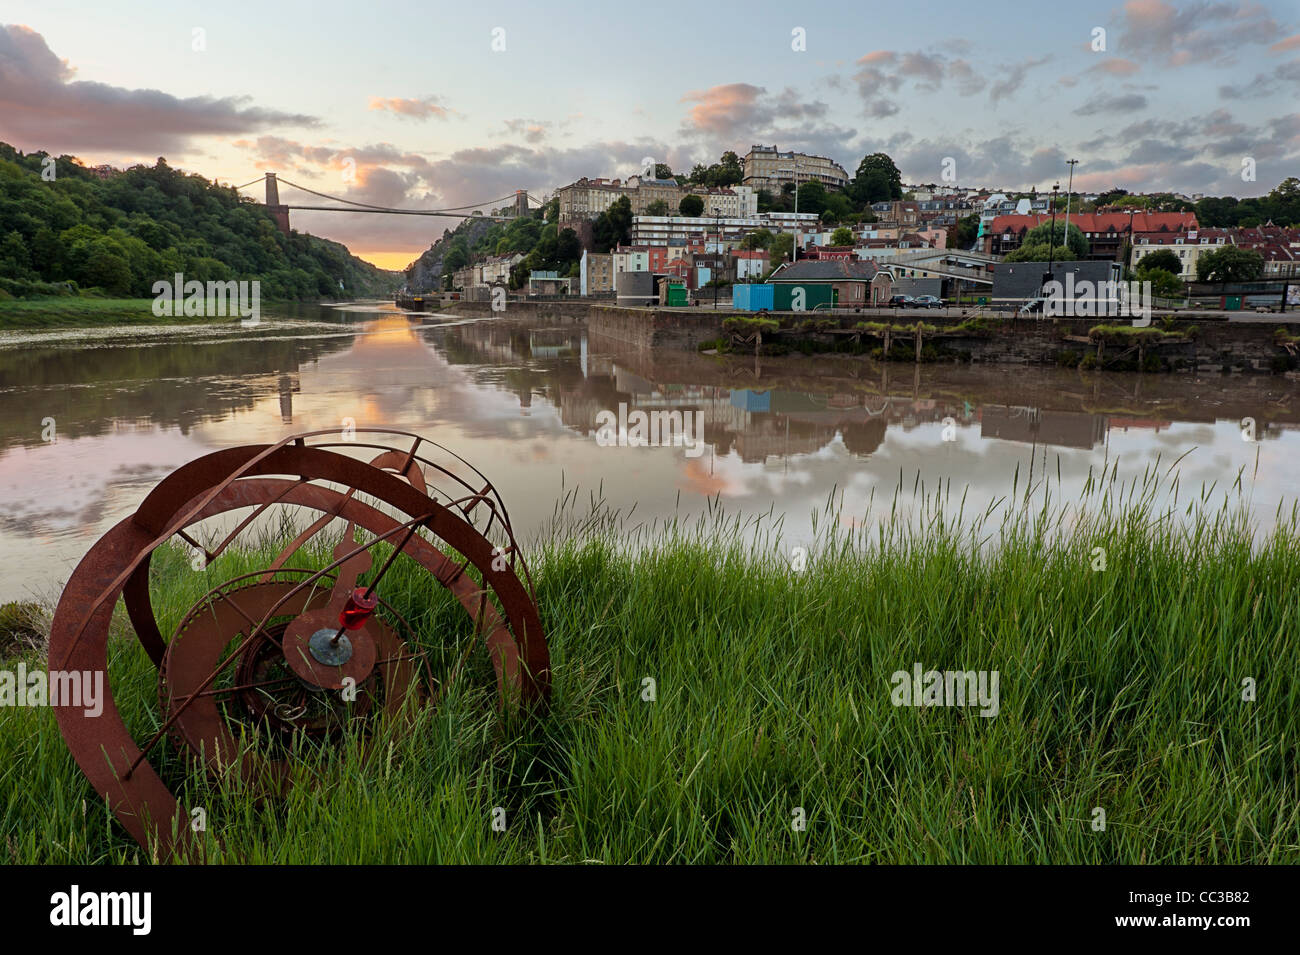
[(432, 116)]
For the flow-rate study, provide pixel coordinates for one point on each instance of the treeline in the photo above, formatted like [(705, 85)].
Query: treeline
[(70, 231)]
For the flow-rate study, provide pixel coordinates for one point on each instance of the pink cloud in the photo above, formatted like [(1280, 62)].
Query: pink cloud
[(419, 109), (45, 108)]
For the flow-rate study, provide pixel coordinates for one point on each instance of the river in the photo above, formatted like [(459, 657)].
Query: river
[(520, 401)]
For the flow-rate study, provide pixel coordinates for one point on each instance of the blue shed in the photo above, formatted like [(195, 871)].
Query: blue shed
[(752, 298)]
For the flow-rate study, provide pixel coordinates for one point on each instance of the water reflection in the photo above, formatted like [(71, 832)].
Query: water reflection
[(520, 400)]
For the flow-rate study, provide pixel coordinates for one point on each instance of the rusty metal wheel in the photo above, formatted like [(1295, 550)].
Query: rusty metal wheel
[(287, 652)]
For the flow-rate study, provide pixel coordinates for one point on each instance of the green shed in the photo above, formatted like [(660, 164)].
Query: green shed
[(814, 294)]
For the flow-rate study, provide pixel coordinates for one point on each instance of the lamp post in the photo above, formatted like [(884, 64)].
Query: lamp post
[(1069, 191), (717, 217), (1051, 237), (1128, 260)]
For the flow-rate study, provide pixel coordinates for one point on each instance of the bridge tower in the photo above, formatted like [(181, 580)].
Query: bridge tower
[(280, 212), (521, 202)]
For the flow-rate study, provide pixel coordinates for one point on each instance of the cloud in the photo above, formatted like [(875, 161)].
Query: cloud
[(1014, 80), (724, 109), (418, 109), (733, 115), (529, 130), (1118, 103), (1287, 45), (1265, 84), (1200, 33), (882, 73), (44, 107), (1115, 66)]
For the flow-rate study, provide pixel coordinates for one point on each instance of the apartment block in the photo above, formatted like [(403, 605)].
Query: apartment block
[(766, 167)]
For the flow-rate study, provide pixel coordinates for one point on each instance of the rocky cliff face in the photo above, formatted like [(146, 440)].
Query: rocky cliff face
[(425, 273)]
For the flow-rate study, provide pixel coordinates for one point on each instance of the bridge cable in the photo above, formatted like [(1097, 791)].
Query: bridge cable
[(365, 205)]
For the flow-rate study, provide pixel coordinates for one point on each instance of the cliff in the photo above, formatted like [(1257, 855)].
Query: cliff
[(425, 273)]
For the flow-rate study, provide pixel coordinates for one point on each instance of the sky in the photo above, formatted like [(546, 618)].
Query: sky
[(434, 105)]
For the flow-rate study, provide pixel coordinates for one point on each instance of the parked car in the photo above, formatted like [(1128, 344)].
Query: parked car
[(927, 301), (902, 301)]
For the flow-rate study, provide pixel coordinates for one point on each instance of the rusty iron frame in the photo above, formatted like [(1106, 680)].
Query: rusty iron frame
[(117, 566)]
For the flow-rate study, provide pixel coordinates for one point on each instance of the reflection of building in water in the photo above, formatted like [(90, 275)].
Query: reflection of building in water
[(499, 342), (1069, 429), (781, 422), (287, 387), (551, 342), (1141, 424)]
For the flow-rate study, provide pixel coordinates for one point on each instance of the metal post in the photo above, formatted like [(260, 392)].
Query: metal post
[(1069, 191), (1051, 239)]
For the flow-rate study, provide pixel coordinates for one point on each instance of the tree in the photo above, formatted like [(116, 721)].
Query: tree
[(663, 171), (812, 197), (1162, 259), (1041, 242), (1217, 212), (1163, 283), (838, 207), (1284, 202), (657, 208), (877, 180), (568, 249), (457, 256), (782, 247), (107, 270), (759, 239), (842, 236), (963, 234), (1230, 264), (613, 226), (1106, 198), (691, 205)]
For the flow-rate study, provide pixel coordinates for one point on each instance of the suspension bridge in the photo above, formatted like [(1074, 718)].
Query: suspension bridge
[(280, 210)]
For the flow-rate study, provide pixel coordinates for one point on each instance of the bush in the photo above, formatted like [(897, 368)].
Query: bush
[(746, 325)]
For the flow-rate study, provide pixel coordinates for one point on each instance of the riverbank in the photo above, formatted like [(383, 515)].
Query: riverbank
[(1143, 715), (74, 312), (1193, 341)]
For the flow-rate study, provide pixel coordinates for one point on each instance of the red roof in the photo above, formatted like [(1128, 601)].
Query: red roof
[(1103, 221)]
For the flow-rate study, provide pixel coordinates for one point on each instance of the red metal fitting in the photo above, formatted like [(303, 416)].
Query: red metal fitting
[(358, 609)]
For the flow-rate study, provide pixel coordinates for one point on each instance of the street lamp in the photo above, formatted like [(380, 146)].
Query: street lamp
[(1069, 191), (1051, 237), (717, 216), (794, 173), (1128, 262)]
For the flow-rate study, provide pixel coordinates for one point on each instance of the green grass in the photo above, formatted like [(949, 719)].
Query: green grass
[(71, 311), (1120, 689), (879, 328), (746, 325), (1130, 334)]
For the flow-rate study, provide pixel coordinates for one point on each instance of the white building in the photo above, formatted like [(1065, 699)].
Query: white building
[(629, 260)]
